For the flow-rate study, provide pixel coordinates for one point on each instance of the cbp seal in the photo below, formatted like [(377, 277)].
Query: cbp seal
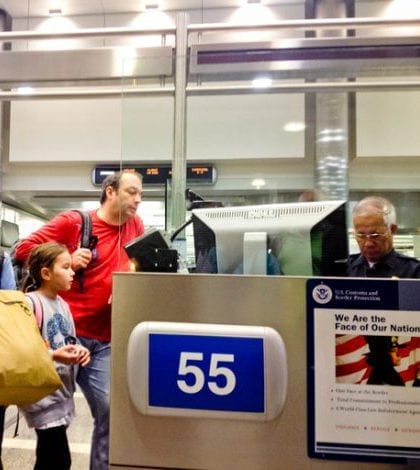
[(322, 294)]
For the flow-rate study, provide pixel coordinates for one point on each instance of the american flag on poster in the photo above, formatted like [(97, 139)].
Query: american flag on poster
[(351, 366)]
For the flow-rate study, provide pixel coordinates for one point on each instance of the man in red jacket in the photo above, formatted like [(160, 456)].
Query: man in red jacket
[(113, 225)]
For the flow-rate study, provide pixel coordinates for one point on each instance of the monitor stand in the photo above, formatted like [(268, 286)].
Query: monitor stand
[(255, 253)]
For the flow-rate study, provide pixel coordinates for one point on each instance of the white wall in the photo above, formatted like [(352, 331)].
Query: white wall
[(243, 127), (218, 127), (141, 129), (69, 130), (388, 124)]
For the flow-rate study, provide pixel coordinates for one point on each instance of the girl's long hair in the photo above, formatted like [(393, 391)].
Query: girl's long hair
[(42, 256)]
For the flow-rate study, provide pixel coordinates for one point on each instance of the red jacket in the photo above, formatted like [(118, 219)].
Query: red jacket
[(91, 308)]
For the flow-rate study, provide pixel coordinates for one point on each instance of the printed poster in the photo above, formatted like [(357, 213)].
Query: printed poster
[(364, 369)]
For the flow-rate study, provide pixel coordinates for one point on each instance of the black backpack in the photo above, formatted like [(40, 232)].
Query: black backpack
[(86, 238)]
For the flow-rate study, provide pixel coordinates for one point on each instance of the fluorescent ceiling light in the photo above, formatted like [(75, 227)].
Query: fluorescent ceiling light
[(153, 5), (25, 90), (258, 183), (255, 13), (262, 82), (294, 126)]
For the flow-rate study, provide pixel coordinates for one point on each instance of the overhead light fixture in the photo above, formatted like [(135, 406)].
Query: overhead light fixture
[(262, 82), (25, 90), (250, 2), (258, 183), (294, 126), (55, 12)]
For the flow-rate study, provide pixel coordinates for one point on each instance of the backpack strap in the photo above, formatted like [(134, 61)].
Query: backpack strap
[(86, 230), (85, 240), (38, 309), (63, 304)]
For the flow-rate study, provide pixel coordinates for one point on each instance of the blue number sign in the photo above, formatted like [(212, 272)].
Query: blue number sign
[(205, 370)]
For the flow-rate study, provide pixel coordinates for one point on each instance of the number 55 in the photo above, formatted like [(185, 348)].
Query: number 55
[(199, 376)]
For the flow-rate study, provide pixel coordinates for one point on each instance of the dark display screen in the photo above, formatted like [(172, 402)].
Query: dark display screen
[(158, 174)]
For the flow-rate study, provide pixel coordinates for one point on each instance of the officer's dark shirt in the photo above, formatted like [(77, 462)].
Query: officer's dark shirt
[(393, 264)]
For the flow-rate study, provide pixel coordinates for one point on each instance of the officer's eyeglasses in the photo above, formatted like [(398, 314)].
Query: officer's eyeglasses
[(371, 236)]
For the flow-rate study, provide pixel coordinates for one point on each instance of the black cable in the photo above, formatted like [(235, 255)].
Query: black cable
[(180, 229)]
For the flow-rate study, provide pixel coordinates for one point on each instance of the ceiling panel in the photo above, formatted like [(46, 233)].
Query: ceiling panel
[(30, 8)]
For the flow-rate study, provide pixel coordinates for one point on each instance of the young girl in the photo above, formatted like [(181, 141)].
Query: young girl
[(50, 272)]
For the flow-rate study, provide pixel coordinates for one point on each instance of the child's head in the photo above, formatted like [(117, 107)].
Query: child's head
[(50, 263)]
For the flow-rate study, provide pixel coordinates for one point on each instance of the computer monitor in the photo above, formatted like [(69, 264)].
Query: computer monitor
[(304, 238)]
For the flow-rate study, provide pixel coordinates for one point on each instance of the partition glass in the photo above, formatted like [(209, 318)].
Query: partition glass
[(273, 130)]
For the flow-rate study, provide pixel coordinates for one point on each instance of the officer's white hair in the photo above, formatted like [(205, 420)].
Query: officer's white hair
[(378, 205)]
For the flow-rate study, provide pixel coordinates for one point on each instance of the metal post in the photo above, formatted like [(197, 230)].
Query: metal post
[(332, 128), (179, 165), (5, 25)]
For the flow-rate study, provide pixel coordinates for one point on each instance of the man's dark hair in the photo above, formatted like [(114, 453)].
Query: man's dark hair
[(114, 181)]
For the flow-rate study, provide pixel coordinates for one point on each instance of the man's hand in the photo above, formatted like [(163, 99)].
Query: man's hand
[(80, 258)]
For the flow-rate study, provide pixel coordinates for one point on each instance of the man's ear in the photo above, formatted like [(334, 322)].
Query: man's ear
[(393, 228), (109, 190), (45, 274)]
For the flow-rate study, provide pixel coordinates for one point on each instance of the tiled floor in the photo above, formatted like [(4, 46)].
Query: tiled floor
[(18, 453)]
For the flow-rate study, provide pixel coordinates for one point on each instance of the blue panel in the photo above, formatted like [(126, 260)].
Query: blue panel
[(245, 365), (363, 293), (409, 295)]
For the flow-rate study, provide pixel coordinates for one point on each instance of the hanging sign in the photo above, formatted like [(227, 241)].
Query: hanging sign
[(197, 173)]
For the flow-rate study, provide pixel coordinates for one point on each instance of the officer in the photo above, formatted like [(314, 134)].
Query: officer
[(374, 221)]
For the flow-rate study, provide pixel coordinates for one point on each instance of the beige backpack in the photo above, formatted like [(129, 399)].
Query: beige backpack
[(27, 372)]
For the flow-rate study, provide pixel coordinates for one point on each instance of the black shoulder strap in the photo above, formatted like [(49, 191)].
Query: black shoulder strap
[(86, 232), (85, 240)]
